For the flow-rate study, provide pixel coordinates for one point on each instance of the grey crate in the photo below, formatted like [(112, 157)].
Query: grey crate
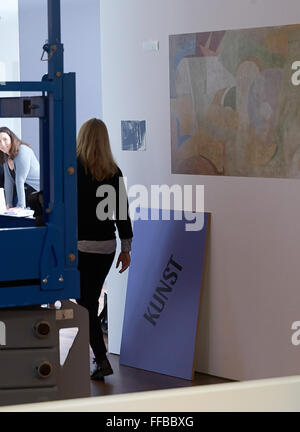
[(21, 328), (18, 368), (29, 395)]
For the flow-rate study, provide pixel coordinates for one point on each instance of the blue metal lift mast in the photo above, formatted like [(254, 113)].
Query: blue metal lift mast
[(39, 264)]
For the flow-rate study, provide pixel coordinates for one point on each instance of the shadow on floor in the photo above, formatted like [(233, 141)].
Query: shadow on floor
[(127, 380)]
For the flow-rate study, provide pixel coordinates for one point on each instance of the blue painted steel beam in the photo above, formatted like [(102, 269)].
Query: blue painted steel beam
[(24, 295), (21, 260), (70, 168), (54, 32), (29, 86), (55, 47)]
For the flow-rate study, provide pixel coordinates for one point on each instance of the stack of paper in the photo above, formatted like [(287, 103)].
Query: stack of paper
[(19, 212)]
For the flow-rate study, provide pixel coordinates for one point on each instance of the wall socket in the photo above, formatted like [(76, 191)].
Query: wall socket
[(150, 45)]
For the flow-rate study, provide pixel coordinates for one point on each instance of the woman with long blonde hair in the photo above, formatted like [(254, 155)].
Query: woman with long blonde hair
[(100, 190)]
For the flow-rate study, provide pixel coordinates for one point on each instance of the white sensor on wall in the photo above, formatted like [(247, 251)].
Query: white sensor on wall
[(150, 45)]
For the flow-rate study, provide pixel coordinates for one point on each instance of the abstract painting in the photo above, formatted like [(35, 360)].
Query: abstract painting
[(133, 135), (234, 109)]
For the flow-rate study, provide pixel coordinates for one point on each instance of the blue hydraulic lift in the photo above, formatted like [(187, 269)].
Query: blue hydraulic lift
[(39, 263)]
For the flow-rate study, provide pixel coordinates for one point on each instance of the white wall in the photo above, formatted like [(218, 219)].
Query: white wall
[(80, 35), (9, 54), (252, 296)]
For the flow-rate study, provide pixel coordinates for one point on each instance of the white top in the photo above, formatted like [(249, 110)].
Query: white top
[(104, 246)]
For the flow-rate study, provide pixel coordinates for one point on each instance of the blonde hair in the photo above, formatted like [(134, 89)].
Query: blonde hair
[(93, 150)]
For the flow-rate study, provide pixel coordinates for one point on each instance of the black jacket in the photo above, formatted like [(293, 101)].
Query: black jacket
[(89, 226)]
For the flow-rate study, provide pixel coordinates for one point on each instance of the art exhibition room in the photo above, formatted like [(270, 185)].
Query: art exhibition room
[(195, 284)]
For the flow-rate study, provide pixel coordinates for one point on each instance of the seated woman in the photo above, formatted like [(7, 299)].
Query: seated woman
[(21, 168)]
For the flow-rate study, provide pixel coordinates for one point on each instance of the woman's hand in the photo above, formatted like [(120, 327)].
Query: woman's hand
[(124, 258)]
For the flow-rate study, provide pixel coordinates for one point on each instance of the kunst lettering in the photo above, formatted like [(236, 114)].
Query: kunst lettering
[(161, 294)]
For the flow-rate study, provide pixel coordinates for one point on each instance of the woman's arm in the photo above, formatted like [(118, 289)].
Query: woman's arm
[(124, 259), (123, 223), (8, 186), (22, 167), (122, 216)]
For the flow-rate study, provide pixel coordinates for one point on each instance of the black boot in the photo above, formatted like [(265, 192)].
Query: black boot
[(102, 368)]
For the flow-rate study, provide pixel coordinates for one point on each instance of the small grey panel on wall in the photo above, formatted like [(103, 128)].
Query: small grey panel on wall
[(133, 135)]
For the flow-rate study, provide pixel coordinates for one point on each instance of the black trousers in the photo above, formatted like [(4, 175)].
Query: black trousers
[(28, 191), (93, 270)]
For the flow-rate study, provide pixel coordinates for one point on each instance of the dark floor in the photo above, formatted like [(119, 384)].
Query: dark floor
[(127, 379)]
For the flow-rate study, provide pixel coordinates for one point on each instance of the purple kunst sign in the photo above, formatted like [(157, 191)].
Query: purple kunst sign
[(163, 297)]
